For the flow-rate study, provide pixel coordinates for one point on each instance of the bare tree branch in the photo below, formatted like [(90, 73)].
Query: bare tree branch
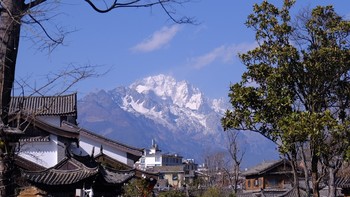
[(56, 41), (66, 79), (139, 4), (33, 4)]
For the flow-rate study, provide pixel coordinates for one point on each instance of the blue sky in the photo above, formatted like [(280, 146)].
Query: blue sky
[(135, 43)]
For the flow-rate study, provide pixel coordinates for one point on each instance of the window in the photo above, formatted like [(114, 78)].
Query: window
[(175, 177), (256, 182), (157, 159), (248, 183), (272, 183)]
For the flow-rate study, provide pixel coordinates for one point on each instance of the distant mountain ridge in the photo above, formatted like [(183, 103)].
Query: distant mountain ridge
[(174, 113)]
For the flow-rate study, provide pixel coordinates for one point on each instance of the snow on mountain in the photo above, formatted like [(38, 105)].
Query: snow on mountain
[(172, 104), (168, 89), (175, 113)]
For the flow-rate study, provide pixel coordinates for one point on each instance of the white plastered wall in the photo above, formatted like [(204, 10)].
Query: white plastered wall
[(87, 144), (41, 153)]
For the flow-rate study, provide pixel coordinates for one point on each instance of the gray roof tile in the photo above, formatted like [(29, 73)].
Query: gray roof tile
[(45, 105)]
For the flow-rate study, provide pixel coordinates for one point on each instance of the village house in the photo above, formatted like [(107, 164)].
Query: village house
[(176, 176), (269, 175), (51, 127), (154, 157), (91, 143), (40, 118), (173, 170), (273, 178), (54, 152)]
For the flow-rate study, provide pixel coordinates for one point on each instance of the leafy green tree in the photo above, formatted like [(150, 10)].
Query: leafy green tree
[(295, 90), (137, 188)]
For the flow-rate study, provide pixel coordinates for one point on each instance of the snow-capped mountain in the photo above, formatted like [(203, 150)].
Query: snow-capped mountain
[(174, 113), (175, 105)]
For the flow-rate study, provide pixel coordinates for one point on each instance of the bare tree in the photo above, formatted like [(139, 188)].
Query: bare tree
[(15, 13), (236, 155), (215, 166)]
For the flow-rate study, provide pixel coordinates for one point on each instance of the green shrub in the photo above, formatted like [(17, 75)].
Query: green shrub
[(172, 193), (137, 188), (213, 192)]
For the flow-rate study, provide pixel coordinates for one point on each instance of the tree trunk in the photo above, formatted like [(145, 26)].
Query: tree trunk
[(314, 176), (331, 183), (306, 172), (293, 162), (236, 177), (10, 16)]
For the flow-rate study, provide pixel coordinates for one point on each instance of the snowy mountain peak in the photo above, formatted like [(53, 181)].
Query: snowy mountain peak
[(173, 112), (180, 93)]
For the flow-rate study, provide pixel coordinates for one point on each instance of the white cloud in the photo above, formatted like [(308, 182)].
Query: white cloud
[(225, 54), (158, 39)]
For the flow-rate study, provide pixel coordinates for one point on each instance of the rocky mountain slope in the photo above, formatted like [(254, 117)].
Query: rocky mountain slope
[(174, 113)]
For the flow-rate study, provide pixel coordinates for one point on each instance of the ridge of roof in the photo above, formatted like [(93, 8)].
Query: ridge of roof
[(102, 139)]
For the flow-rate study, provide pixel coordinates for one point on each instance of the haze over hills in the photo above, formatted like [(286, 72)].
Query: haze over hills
[(175, 114)]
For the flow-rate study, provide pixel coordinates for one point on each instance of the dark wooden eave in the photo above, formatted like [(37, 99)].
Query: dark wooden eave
[(59, 131), (106, 160)]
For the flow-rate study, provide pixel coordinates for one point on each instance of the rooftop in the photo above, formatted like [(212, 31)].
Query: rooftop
[(45, 105), (264, 167), (103, 140)]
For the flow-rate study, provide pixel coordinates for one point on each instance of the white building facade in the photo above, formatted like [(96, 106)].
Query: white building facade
[(50, 127), (154, 157)]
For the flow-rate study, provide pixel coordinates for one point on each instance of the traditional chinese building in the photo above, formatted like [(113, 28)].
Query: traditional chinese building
[(58, 158)]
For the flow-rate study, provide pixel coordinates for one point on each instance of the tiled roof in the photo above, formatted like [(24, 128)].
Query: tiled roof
[(343, 182), (294, 193), (45, 105), (35, 139), (108, 161), (58, 176), (274, 193), (116, 177), (103, 140), (263, 167), (159, 169)]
